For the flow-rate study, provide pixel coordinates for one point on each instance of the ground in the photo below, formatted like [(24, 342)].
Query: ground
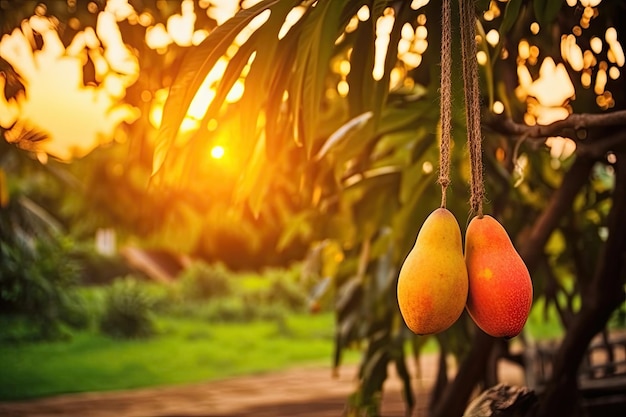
[(300, 392)]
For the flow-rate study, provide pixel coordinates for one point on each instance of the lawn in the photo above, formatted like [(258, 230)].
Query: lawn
[(186, 350)]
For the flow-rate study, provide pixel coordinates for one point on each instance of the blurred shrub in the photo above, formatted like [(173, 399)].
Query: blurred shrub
[(37, 287), (238, 310), (213, 293), (127, 310), (201, 281), (232, 309), (96, 268), (285, 289), (93, 298)]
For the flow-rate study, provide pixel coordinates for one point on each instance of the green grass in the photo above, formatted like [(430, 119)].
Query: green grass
[(542, 324), (184, 351)]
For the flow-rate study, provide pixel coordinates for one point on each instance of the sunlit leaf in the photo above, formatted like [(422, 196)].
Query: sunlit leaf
[(415, 182), (392, 142), (344, 131), (254, 182), (278, 120), (196, 65), (556, 243), (263, 69), (381, 90), (298, 226), (360, 77), (319, 32), (236, 64), (370, 174)]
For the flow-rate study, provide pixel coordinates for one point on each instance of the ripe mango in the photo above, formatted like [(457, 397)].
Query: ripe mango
[(433, 282), (500, 288)]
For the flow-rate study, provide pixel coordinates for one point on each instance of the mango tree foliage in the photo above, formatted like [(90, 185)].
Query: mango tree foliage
[(340, 90), (331, 111)]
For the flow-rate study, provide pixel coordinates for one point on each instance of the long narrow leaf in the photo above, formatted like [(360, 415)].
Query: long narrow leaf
[(546, 10), (277, 117), (340, 134), (233, 71), (196, 65), (258, 80), (382, 86), (360, 77), (320, 32), (511, 13)]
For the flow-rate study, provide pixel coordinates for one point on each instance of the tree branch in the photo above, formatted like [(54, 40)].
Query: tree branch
[(605, 294), (598, 148), (561, 201), (574, 122)]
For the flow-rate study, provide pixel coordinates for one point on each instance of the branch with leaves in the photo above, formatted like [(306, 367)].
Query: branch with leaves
[(575, 127)]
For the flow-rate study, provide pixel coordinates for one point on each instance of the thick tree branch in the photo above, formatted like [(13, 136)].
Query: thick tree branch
[(563, 127), (597, 148), (605, 293), (594, 134), (456, 395), (531, 248)]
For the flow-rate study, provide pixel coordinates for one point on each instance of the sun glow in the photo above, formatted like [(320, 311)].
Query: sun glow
[(59, 114), (217, 152)]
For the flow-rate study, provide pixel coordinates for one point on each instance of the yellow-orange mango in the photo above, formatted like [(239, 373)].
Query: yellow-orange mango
[(433, 283), (500, 288)]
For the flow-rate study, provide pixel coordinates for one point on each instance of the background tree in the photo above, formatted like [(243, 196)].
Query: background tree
[(128, 59)]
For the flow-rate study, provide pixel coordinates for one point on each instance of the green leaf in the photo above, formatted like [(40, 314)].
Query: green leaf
[(405, 375), (361, 65), (378, 189), (262, 69), (546, 10), (392, 143), (317, 40), (413, 212), (511, 12), (298, 226), (194, 68), (233, 71), (371, 175), (345, 131), (482, 5), (414, 182), (381, 90), (277, 119), (394, 119), (254, 182)]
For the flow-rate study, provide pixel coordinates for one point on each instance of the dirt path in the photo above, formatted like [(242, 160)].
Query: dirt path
[(301, 392)]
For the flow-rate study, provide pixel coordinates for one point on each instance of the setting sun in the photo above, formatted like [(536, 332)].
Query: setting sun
[(217, 152)]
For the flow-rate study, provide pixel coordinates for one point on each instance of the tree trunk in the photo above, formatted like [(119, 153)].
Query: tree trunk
[(455, 397), (503, 401), (442, 378), (604, 294)]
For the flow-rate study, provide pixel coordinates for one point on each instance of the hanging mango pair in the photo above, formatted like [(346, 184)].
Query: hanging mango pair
[(437, 281)]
